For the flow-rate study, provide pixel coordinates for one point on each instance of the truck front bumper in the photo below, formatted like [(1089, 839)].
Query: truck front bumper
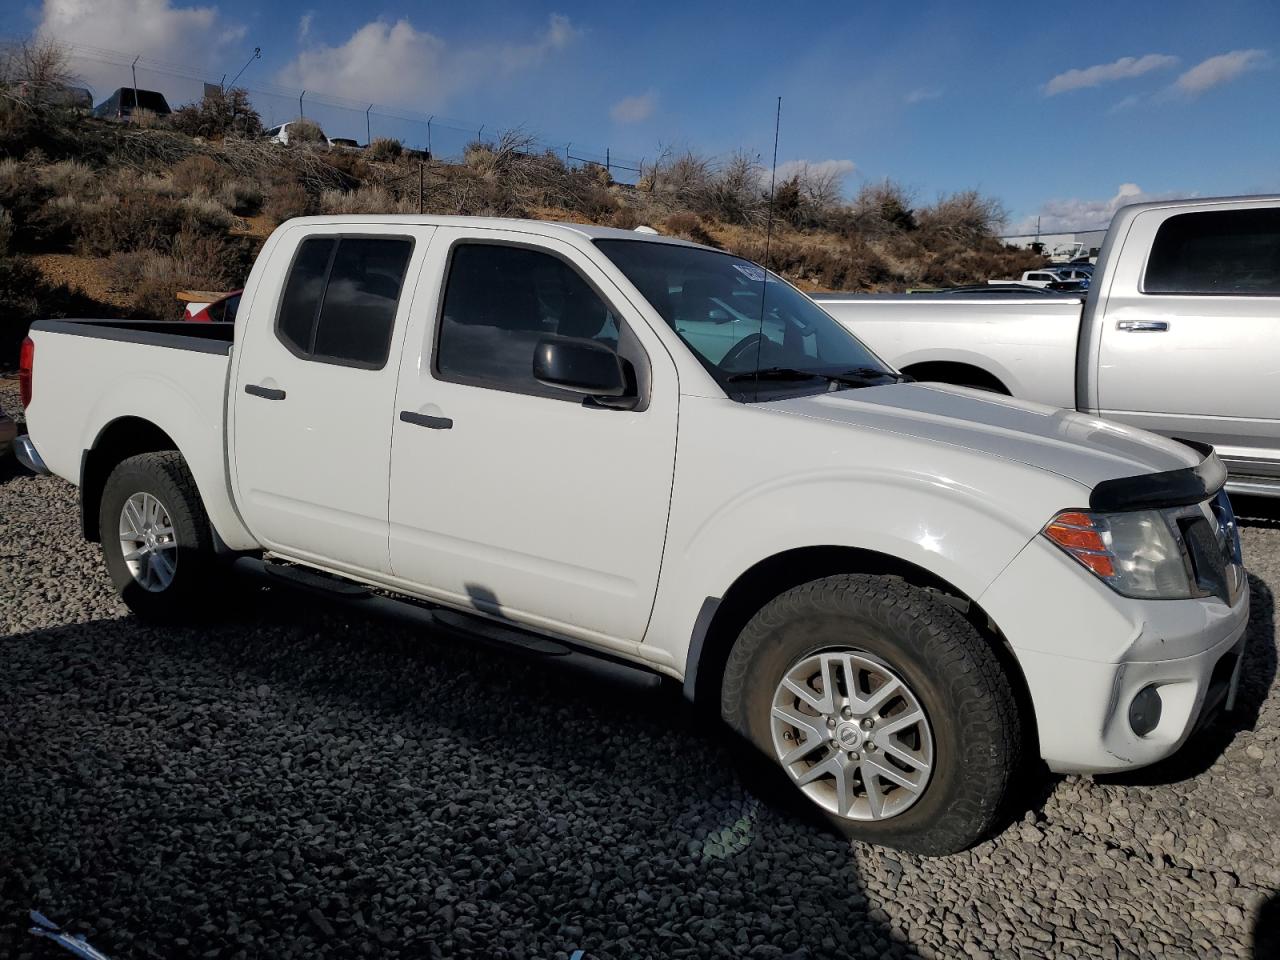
[(1087, 653)]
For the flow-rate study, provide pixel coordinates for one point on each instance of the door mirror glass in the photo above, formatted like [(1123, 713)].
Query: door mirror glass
[(583, 366)]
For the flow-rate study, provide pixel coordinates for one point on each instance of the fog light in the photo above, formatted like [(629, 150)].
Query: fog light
[(1144, 711)]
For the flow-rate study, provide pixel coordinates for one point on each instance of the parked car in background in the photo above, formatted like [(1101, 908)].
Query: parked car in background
[(56, 94), (122, 104), (221, 309), (1180, 333), (282, 133), (637, 449), (1030, 278)]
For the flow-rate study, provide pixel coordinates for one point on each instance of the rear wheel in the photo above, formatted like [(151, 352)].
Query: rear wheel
[(879, 708), (156, 537)]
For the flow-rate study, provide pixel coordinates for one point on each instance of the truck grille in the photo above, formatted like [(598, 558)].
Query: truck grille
[(1213, 544)]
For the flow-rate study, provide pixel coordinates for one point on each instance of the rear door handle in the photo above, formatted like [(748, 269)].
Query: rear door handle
[(1137, 326), (423, 420), (266, 393)]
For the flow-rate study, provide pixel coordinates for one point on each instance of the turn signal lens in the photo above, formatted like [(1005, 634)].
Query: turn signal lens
[(26, 371), (1076, 533)]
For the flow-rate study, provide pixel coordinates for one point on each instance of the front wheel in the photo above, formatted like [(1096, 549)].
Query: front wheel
[(156, 537), (886, 711)]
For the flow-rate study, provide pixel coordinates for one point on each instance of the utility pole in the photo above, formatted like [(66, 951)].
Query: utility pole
[(301, 115), (257, 55), (429, 119), (480, 135), (133, 69), (368, 136), (606, 159), (421, 166)]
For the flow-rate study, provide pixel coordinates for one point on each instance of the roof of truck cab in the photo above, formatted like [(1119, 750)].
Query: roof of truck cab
[(543, 227)]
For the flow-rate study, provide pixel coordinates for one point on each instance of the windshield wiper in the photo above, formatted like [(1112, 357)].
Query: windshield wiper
[(776, 373), (867, 377), (856, 377)]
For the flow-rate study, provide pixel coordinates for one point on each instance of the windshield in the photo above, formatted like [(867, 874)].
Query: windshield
[(713, 301)]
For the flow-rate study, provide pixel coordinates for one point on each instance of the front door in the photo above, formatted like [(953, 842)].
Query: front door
[(1191, 337), (314, 393), (515, 499)]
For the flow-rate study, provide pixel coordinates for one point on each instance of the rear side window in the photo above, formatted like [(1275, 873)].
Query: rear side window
[(499, 302), (1223, 252), (339, 303)]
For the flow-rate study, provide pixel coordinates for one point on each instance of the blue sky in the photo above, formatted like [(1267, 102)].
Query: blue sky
[(1060, 111)]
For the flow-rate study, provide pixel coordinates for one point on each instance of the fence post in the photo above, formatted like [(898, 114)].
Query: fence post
[(606, 160), (368, 130), (301, 115)]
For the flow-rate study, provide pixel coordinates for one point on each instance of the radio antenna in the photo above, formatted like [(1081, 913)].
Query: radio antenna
[(768, 237)]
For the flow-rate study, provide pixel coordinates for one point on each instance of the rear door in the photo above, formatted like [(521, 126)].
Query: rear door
[(509, 497), (1190, 343), (314, 392)]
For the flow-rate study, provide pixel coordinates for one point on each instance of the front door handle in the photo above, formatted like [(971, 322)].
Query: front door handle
[(423, 420), (1137, 326), (266, 393)]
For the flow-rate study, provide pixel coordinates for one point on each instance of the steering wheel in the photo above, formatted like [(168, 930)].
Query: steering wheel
[(739, 350)]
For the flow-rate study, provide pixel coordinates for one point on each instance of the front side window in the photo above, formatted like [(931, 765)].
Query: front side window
[(758, 336), (339, 303), (1223, 252), (499, 301)]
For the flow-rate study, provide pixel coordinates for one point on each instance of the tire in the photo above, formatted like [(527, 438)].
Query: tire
[(960, 761), (187, 550)]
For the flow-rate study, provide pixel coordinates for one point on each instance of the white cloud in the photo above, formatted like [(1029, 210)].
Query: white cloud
[(923, 94), (1101, 73), (395, 63), (304, 25), (194, 36), (1219, 70), (1064, 216), (634, 109), (836, 170)]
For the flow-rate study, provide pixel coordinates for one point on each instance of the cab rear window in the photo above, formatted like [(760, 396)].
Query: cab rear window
[(1218, 252), (340, 300)]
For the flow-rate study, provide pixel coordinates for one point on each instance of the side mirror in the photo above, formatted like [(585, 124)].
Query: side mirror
[(586, 367)]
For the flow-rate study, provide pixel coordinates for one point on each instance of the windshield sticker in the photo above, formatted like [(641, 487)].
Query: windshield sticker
[(752, 272)]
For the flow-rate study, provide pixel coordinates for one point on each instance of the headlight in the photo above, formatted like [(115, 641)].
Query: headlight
[(1139, 554)]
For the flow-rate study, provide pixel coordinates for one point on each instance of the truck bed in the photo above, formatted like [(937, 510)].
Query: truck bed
[(201, 337), (91, 374), (1028, 344)]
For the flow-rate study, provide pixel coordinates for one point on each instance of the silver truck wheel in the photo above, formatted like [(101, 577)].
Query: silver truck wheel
[(148, 542), (852, 735)]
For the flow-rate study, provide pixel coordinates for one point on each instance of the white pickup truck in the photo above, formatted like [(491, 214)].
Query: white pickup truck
[(1179, 334), (898, 594)]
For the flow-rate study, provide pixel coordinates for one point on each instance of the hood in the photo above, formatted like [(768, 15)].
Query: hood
[(1072, 445)]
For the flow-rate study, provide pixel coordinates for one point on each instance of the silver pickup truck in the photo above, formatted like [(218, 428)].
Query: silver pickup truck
[(1179, 334)]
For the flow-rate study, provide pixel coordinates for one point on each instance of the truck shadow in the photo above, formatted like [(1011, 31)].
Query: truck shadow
[(1257, 674), (1266, 929), (438, 769)]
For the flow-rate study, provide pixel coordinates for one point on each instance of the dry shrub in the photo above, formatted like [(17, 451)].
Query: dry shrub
[(132, 221), (373, 199), (285, 201), (6, 231), (196, 261), (219, 114), (68, 178), (626, 218), (303, 130), (384, 148), (241, 197), (206, 215), (145, 119), (689, 226), (198, 174), (966, 217)]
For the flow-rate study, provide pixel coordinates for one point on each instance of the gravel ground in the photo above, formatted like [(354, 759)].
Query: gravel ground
[(294, 782)]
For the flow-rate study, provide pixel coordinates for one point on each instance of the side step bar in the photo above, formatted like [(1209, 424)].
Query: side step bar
[(363, 600)]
